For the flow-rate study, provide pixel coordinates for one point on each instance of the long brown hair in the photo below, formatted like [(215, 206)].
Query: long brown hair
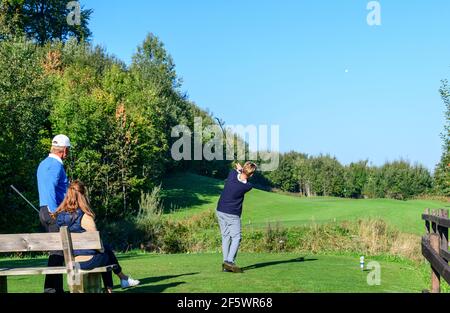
[(75, 199)]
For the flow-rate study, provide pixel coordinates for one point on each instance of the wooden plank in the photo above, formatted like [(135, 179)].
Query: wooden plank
[(427, 223), (48, 242), (445, 222), (434, 225), (444, 237), (88, 281), (32, 271), (67, 247), (436, 261), (3, 284), (100, 269), (445, 254), (30, 242), (435, 276), (48, 270), (74, 278)]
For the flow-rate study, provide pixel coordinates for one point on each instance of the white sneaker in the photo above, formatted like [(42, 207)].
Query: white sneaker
[(130, 282)]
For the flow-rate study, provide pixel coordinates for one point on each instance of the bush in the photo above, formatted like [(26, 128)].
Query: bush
[(163, 235), (174, 238), (275, 238), (149, 221), (122, 235)]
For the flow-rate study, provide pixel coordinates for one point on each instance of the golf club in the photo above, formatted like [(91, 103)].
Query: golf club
[(18, 192)]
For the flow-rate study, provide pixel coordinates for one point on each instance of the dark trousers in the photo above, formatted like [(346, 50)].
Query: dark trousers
[(53, 283), (103, 259)]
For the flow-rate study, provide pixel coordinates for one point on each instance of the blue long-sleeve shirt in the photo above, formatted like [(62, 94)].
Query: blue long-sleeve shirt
[(52, 183)]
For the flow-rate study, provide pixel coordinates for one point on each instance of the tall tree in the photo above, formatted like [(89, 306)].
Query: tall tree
[(355, 176), (320, 176), (442, 171), (11, 18), (156, 103), (397, 180), (24, 110), (43, 20), (286, 176)]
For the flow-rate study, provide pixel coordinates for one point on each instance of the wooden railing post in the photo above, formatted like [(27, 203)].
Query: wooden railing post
[(444, 234), (434, 227), (74, 278), (435, 243), (427, 223), (428, 231)]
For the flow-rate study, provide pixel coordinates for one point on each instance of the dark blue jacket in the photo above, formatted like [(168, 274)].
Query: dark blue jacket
[(232, 197), (73, 222)]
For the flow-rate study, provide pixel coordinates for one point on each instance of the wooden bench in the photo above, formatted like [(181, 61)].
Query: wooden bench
[(79, 281)]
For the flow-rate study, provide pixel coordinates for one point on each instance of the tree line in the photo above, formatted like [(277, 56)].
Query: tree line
[(324, 175)]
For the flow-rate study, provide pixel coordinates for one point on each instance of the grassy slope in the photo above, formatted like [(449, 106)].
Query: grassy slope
[(264, 273), (192, 194)]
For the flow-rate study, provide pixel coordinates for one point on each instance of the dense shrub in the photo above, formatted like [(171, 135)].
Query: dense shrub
[(122, 234), (149, 220), (275, 238), (175, 237)]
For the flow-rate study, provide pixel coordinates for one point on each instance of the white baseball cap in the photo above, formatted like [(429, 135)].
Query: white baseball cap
[(61, 141)]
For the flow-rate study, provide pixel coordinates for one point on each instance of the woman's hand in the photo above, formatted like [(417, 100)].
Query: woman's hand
[(239, 167)]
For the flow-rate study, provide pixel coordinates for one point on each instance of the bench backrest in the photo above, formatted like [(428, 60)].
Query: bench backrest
[(63, 241), (49, 242)]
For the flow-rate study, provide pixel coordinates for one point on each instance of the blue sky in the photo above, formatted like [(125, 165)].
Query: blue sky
[(333, 83)]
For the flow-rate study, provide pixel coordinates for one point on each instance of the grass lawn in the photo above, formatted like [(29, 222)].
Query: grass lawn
[(192, 194), (201, 273), (284, 272)]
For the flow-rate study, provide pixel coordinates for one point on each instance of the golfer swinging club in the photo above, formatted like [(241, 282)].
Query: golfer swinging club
[(229, 211)]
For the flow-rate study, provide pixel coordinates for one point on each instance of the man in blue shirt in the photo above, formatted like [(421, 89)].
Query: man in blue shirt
[(229, 211), (52, 186)]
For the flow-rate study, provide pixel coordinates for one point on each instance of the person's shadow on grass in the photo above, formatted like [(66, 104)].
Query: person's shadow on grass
[(265, 264), (145, 282), (153, 288)]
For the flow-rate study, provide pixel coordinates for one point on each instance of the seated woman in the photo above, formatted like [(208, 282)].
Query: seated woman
[(75, 213)]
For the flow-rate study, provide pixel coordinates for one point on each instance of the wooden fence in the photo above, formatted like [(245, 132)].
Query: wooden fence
[(435, 246)]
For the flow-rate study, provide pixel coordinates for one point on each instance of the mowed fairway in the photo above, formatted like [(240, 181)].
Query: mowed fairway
[(192, 194), (263, 273)]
